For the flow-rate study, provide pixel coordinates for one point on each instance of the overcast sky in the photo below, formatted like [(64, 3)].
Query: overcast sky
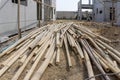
[(68, 5)]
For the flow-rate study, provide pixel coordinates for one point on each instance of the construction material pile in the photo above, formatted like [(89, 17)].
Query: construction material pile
[(42, 47)]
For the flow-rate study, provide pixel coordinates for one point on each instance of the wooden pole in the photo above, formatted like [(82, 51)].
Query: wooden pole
[(53, 58), (88, 65), (38, 74), (109, 47), (87, 48), (113, 69), (21, 69), (19, 30), (112, 12), (58, 55), (39, 14), (41, 52), (101, 62), (67, 52)]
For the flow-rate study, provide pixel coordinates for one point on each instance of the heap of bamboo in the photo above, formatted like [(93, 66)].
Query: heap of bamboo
[(46, 42)]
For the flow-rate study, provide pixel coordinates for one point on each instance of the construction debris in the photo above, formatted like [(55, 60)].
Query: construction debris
[(43, 47)]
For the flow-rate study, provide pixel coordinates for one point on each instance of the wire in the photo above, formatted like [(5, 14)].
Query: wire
[(108, 74)]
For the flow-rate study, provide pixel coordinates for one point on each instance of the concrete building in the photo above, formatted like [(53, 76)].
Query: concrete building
[(82, 6), (103, 11), (66, 15), (50, 11), (29, 14)]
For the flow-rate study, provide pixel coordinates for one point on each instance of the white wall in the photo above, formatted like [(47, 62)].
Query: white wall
[(66, 14), (8, 16), (105, 7), (97, 16)]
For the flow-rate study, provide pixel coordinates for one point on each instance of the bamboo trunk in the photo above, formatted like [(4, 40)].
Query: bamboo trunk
[(53, 58), (67, 52), (58, 39), (38, 74), (21, 69), (114, 56), (110, 48), (42, 51), (88, 65), (101, 62), (79, 49), (58, 55), (85, 45), (114, 69), (12, 60)]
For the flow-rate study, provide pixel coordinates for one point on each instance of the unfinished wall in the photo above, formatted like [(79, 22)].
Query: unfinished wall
[(8, 16), (104, 6), (28, 15), (98, 11), (66, 15)]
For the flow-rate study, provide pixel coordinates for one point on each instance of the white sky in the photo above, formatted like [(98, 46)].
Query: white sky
[(68, 5)]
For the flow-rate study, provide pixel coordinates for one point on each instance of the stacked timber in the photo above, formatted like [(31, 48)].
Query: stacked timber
[(43, 47)]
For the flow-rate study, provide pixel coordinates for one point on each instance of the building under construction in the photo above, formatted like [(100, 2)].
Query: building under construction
[(82, 6), (107, 10), (102, 10), (31, 11), (60, 49)]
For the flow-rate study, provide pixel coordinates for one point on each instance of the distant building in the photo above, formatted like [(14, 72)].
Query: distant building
[(102, 10), (82, 6), (66, 15), (29, 14)]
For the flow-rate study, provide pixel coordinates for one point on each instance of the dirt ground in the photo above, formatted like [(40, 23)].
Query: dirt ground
[(78, 70)]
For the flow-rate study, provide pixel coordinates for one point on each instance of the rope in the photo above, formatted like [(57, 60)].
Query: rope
[(108, 74)]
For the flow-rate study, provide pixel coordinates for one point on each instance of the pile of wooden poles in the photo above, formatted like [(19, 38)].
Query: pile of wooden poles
[(42, 47)]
